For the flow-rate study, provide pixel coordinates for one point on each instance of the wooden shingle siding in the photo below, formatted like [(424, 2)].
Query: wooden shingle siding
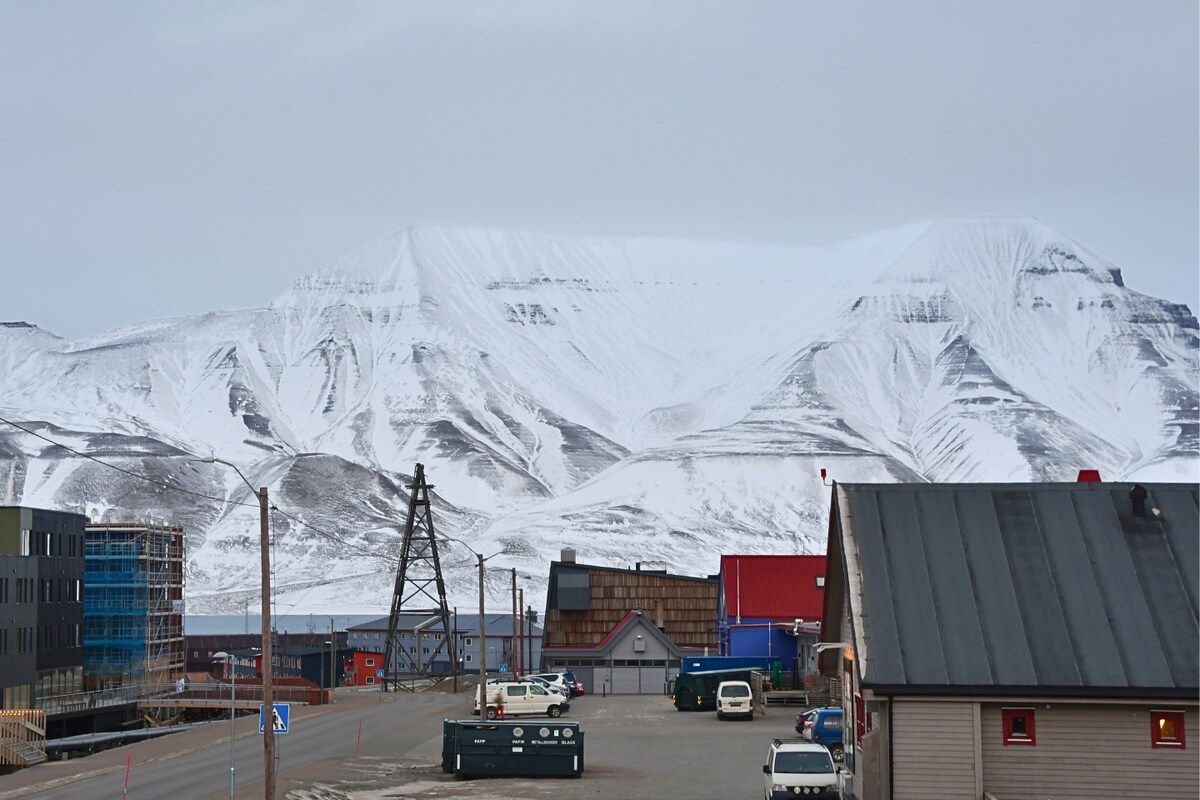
[(1089, 751), (689, 608), (933, 750)]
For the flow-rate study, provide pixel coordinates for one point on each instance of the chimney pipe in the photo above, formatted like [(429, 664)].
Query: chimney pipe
[(1088, 476), (567, 556), (1137, 496)]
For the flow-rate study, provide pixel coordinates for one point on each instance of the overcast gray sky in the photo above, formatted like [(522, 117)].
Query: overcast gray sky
[(159, 159)]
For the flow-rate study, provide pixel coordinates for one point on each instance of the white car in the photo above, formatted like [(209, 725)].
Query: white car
[(796, 768), (734, 699), (550, 687), (556, 680), (516, 699)]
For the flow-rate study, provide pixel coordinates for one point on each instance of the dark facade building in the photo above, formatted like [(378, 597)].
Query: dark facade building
[(41, 605)]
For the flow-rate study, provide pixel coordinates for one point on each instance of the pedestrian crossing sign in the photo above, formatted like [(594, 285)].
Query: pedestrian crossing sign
[(282, 716)]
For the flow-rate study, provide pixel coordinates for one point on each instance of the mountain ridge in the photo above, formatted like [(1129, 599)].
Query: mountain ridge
[(573, 390)]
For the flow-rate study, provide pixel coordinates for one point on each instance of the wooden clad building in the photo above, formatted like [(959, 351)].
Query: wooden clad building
[(584, 602)]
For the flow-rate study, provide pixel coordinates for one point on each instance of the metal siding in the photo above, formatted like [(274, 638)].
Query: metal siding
[(1091, 637), (912, 595), (776, 586), (1037, 592), (994, 592), (884, 662), (1124, 598), (950, 578), (1164, 590), (1181, 520), (933, 752), (1034, 585), (1089, 751)]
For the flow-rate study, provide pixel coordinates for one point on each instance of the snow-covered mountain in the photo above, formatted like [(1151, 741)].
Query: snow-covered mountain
[(636, 399)]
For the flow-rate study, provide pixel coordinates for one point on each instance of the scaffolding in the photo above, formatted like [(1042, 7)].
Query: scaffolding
[(133, 606)]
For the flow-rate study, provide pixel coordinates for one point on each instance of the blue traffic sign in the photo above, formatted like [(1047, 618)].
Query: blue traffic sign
[(378, 673), (282, 715)]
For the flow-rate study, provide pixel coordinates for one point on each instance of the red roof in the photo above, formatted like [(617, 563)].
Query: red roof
[(774, 587), (621, 625)]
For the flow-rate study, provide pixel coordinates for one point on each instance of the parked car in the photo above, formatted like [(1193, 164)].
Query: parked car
[(559, 690), (521, 699), (804, 719), (799, 769), (824, 726), (734, 699), (558, 679), (571, 679)]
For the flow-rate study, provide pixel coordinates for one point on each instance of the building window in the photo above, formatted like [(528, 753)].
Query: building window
[(1019, 726), (1167, 730), (467, 641), (820, 581), (370, 680), (370, 662), (467, 660)]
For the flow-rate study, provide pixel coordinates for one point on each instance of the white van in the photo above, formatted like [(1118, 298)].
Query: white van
[(799, 769), (734, 699), (517, 699)]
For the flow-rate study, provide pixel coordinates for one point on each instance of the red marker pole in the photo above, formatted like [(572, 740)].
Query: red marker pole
[(128, 763), (358, 741)]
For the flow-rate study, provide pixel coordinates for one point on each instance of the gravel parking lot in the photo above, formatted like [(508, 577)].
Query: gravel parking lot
[(636, 747), (368, 746)]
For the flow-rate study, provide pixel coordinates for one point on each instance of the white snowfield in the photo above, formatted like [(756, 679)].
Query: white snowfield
[(636, 399)]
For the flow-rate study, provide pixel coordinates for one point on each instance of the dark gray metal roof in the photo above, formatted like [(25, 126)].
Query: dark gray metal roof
[(1047, 588)]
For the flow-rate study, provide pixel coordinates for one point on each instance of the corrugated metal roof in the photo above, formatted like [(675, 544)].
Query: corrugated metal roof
[(775, 587), (1037, 586)]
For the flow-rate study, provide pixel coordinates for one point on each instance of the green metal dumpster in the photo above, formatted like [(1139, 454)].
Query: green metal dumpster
[(529, 748)]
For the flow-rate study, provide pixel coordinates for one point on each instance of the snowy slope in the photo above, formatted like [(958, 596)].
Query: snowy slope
[(638, 399)]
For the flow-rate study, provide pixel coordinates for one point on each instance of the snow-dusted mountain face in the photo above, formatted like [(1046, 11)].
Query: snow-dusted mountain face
[(636, 399)]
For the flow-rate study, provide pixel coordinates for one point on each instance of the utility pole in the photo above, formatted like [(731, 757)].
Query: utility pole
[(267, 659), (521, 632), (529, 617), (454, 666), (516, 642), (332, 649), (482, 647)]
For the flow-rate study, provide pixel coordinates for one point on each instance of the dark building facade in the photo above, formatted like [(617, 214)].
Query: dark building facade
[(41, 604)]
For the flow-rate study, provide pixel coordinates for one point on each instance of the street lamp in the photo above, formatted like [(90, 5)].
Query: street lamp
[(482, 626), (267, 695), (230, 673)]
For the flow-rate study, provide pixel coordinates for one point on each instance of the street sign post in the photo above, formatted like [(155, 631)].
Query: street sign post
[(282, 716)]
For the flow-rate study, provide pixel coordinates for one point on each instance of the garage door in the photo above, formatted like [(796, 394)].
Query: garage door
[(626, 680), (654, 680)]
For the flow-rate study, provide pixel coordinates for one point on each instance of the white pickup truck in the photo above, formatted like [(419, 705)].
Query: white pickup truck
[(528, 699)]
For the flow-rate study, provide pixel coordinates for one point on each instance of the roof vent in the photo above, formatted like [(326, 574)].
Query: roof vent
[(1137, 496), (568, 555), (1088, 476)]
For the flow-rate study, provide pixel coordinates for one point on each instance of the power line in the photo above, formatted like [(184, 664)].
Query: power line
[(130, 473), (365, 553)]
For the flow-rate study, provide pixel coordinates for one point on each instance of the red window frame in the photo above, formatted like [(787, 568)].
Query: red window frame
[(1029, 737), (1178, 739)]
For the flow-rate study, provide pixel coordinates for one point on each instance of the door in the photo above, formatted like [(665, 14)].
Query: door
[(654, 680), (516, 700), (539, 700)]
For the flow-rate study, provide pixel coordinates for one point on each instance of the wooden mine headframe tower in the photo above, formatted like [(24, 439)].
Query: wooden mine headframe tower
[(418, 576)]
